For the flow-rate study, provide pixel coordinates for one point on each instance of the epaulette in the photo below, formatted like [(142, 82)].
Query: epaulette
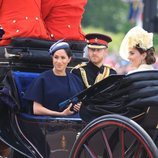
[(80, 65)]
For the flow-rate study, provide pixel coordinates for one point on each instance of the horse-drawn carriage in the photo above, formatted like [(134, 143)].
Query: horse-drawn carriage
[(125, 127)]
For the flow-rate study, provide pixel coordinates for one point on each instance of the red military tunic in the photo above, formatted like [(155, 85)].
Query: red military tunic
[(63, 18), (21, 18)]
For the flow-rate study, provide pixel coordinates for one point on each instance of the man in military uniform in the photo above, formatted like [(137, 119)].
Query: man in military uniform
[(95, 70)]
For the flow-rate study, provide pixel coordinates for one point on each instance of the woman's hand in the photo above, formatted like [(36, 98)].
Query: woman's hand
[(68, 110), (76, 107)]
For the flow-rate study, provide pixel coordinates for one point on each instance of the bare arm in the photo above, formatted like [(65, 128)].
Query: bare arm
[(39, 109)]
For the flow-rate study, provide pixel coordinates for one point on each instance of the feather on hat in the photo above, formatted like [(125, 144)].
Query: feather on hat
[(135, 36)]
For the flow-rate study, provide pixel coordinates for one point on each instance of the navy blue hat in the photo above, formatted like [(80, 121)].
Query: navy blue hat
[(57, 46)]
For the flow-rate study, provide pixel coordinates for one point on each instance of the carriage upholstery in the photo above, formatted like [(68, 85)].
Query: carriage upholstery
[(45, 44), (22, 81)]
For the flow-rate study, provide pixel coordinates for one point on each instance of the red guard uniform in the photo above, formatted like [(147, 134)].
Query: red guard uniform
[(63, 18), (21, 18)]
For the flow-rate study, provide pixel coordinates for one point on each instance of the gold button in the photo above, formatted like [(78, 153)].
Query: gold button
[(69, 26), (51, 35), (14, 21), (36, 18), (26, 18), (17, 31)]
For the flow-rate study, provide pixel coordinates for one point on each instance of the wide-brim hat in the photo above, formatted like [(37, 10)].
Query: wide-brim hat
[(135, 36), (58, 45), (97, 40)]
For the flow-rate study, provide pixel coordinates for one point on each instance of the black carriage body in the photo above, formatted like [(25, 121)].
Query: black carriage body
[(48, 137)]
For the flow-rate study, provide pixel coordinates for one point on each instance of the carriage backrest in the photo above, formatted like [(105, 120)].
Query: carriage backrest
[(22, 82)]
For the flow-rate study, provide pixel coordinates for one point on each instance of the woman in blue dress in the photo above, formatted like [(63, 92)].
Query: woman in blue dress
[(55, 85)]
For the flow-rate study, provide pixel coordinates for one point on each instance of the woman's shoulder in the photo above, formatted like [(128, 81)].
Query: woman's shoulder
[(73, 75), (75, 78), (45, 74), (42, 77), (142, 67)]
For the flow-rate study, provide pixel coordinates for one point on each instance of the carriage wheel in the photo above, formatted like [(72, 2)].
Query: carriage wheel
[(113, 136)]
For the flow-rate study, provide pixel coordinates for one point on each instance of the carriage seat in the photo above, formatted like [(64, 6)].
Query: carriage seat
[(22, 82)]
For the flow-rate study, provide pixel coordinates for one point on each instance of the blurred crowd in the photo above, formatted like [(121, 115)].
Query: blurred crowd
[(120, 65)]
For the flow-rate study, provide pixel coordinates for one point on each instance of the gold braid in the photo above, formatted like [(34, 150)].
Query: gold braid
[(100, 76), (84, 77), (103, 75)]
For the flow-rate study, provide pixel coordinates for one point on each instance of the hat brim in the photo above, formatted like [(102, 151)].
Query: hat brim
[(136, 35), (57, 46), (96, 46), (124, 49)]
